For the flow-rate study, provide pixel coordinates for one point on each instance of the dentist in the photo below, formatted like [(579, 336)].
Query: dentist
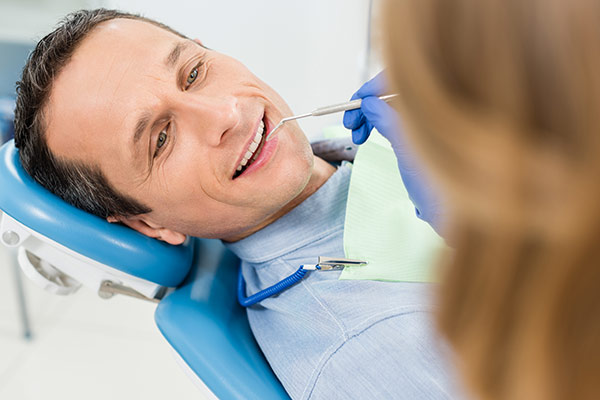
[(500, 152)]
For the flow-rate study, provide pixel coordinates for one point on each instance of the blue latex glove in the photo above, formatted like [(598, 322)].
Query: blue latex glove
[(375, 113)]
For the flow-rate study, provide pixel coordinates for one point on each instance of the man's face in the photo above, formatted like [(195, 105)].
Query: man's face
[(168, 122)]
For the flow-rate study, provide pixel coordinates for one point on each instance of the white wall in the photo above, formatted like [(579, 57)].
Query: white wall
[(27, 21), (312, 52)]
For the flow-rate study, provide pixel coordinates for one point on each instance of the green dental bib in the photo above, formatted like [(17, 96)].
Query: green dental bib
[(381, 226)]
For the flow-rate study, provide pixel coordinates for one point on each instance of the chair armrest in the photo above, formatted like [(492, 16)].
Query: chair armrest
[(209, 329)]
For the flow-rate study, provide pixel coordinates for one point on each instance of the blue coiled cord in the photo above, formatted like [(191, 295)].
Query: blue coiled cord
[(268, 292)]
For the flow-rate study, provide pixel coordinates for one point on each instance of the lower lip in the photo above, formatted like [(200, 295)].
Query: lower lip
[(268, 149)]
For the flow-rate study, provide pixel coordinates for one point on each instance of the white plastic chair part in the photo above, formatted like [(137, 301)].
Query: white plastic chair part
[(45, 275), (53, 256), (12, 232)]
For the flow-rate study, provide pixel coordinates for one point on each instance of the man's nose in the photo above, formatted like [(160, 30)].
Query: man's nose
[(211, 116)]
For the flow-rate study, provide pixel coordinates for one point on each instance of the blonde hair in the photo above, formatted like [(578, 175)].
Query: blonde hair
[(501, 99)]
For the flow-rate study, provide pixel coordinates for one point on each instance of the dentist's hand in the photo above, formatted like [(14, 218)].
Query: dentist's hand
[(376, 113)]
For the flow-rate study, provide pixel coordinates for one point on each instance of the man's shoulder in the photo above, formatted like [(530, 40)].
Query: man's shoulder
[(335, 150)]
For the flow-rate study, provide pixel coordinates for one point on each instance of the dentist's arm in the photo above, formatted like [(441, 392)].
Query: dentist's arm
[(375, 113)]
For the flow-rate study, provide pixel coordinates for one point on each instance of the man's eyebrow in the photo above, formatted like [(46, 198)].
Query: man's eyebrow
[(174, 54), (141, 126)]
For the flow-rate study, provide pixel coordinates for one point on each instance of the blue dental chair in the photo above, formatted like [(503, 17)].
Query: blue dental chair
[(62, 248)]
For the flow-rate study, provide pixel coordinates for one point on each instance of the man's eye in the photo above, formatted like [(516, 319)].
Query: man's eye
[(161, 140), (192, 76)]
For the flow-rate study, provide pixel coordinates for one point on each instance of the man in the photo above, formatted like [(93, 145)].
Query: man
[(129, 120)]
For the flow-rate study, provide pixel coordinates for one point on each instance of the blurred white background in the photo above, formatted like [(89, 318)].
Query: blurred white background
[(313, 52)]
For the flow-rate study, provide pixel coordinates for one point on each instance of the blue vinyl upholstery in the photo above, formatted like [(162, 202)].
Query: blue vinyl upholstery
[(209, 329), (201, 319), (112, 244)]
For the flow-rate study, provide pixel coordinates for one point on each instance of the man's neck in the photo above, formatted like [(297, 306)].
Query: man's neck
[(322, 171)]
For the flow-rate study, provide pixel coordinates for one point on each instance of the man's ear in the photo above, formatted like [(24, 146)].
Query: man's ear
[(199, 42), (144, 227)]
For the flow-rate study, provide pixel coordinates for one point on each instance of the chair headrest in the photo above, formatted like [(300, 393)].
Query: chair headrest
[(111, 244)]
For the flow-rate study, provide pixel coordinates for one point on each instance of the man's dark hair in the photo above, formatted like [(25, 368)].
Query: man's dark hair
[(78, 183)]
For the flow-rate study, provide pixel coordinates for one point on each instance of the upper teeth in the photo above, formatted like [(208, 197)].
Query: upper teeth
[(253, 146)]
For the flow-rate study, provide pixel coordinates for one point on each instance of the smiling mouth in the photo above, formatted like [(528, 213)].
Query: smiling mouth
[(253, 150)]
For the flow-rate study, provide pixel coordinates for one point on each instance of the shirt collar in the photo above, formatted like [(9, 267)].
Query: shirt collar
[(319, 215)]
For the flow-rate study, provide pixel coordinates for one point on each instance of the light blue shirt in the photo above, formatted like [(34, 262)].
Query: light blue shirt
[(332, 339)]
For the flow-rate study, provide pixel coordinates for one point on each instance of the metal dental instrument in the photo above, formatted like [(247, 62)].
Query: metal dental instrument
[(324, 264), (350, 105), (327, 263)]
